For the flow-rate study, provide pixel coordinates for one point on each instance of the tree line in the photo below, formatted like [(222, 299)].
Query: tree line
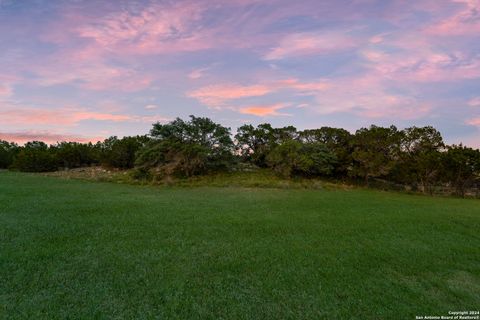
[(416, 157)]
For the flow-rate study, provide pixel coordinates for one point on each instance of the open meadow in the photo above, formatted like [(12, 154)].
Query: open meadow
[(77, 249)]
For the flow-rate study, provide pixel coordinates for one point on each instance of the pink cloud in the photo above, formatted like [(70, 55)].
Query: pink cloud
[(61, 117), (197, 73), (173, 26), (473, 122), (81, 116), (376, 39), (45, 136), (157, 28), (367, 97), (474, 102), (5, 91), (303, 44), (303, 87), (447, 70), (415, 60), (465, 22), (92, 76), (263, 110), (217, 95), (417, 57), (84, 61)]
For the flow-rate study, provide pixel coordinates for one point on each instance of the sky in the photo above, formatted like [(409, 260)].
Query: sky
[(84, 70)]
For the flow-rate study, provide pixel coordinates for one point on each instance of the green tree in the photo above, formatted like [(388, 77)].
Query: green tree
[(186, 148), (337, 140), (462, 168), (420, 157), (306, 159), (375, 151), (254, 144), (284, 134), (35, 156), (74, 154), (8, 152), (121, 153)]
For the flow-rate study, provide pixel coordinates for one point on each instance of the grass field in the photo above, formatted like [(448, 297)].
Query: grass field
[(83, 250)]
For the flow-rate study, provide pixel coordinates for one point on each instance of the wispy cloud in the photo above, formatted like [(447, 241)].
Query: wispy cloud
[(157, 28), (307, 87), (5, 91), (264, 110), (368, 97), (45, 136), (357, 60), (217, 95), (473, 122), (96, 76), (303, 44), (415, 59), (64, 116), (198, 73), (465, 22), (474, 102)]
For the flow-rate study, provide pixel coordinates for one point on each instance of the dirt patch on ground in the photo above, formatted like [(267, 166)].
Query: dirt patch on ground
[(90, 173)]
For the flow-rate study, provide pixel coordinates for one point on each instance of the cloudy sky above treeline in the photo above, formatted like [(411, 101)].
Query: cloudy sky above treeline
[(86, 70)]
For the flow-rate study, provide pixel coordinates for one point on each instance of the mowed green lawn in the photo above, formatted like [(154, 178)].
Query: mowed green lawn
[(74, 249)]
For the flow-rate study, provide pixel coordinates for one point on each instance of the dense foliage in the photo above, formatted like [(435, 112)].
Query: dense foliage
[(8, 151), (415, 157), (187, 148), (296, 158), (120, 153), (35, 156)]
